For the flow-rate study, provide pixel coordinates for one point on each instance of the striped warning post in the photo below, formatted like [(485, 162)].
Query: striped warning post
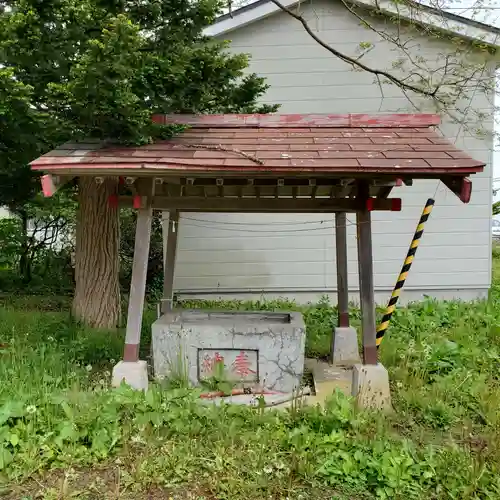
[(391, 306)]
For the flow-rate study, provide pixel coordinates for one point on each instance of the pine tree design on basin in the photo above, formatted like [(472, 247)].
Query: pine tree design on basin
[(237, 365)]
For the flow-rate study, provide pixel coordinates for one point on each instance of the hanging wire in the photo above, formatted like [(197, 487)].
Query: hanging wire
[(291, 223), (219, 225), (238, 227), (274, 231), (213, 224)]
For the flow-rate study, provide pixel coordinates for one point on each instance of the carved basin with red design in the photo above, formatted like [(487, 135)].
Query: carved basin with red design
[(258, 350)]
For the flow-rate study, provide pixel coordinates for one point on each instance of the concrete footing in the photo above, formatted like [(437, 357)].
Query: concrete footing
[(327, 380), (135, 374), (345, 347), (370, 387)]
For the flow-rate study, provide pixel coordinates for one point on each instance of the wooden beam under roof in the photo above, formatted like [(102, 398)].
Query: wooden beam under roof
[(263, 205)]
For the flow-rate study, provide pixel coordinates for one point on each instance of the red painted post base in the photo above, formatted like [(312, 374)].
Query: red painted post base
[(131, 353), (344, 319)]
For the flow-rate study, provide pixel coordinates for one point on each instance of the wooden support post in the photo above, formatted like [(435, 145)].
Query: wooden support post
[(366, 284), (342, 283), (170, 232), (138, 284)]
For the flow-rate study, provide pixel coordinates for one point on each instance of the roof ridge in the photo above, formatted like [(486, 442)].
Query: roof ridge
[(277, 120)]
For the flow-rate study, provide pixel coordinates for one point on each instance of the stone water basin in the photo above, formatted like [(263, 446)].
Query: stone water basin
[(253, 349)]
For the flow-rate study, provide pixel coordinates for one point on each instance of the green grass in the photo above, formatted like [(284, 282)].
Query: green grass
[(65, 434)]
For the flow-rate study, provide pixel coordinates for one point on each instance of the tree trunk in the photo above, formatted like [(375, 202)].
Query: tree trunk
[(97, 290)]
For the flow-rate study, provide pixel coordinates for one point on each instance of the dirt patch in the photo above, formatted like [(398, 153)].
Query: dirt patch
[(104, 483)]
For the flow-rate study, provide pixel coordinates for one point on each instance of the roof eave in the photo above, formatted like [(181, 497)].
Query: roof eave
[(431, 18), (423, 15), (171, 169), (244, 16)]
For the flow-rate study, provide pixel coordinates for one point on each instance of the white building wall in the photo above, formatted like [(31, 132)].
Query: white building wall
[(249, 255)]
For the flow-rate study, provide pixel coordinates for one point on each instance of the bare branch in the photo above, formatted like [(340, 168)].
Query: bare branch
[(353, 61), (218, 147), (382, 95)]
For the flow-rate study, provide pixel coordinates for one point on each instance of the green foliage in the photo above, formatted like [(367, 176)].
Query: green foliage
[(36, 246), (441, 442), (10, 242), (219, 380), (76, 69), (48, 242), (18, 143), (496, 252), (64, 415), (496, 208), (102, 68), (99, 96), (48, 245)]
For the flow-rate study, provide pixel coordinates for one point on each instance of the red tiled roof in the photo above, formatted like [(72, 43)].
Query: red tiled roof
[(284, 144)]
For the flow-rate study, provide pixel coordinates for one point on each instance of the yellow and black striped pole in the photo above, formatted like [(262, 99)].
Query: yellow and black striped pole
[(391, 306)]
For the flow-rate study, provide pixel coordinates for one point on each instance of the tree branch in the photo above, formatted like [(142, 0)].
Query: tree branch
[(219, 147), (353, 61)]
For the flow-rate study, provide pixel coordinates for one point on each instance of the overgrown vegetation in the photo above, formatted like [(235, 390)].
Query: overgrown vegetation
[(64, 433), (37, 252), (99, 69)]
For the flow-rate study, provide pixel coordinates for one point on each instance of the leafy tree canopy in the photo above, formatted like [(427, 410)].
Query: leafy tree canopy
[(19, 127), (101, 68)]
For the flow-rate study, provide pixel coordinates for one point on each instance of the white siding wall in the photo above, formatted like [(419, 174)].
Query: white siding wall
[(4, 213), (294, 255)]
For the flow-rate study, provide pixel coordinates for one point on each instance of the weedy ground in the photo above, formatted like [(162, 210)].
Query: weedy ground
[(65, 434)]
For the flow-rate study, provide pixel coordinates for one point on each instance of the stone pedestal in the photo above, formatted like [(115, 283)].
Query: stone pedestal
[(370, 387), (327, 379), (248, 349), (345, 346), (134, 374)]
